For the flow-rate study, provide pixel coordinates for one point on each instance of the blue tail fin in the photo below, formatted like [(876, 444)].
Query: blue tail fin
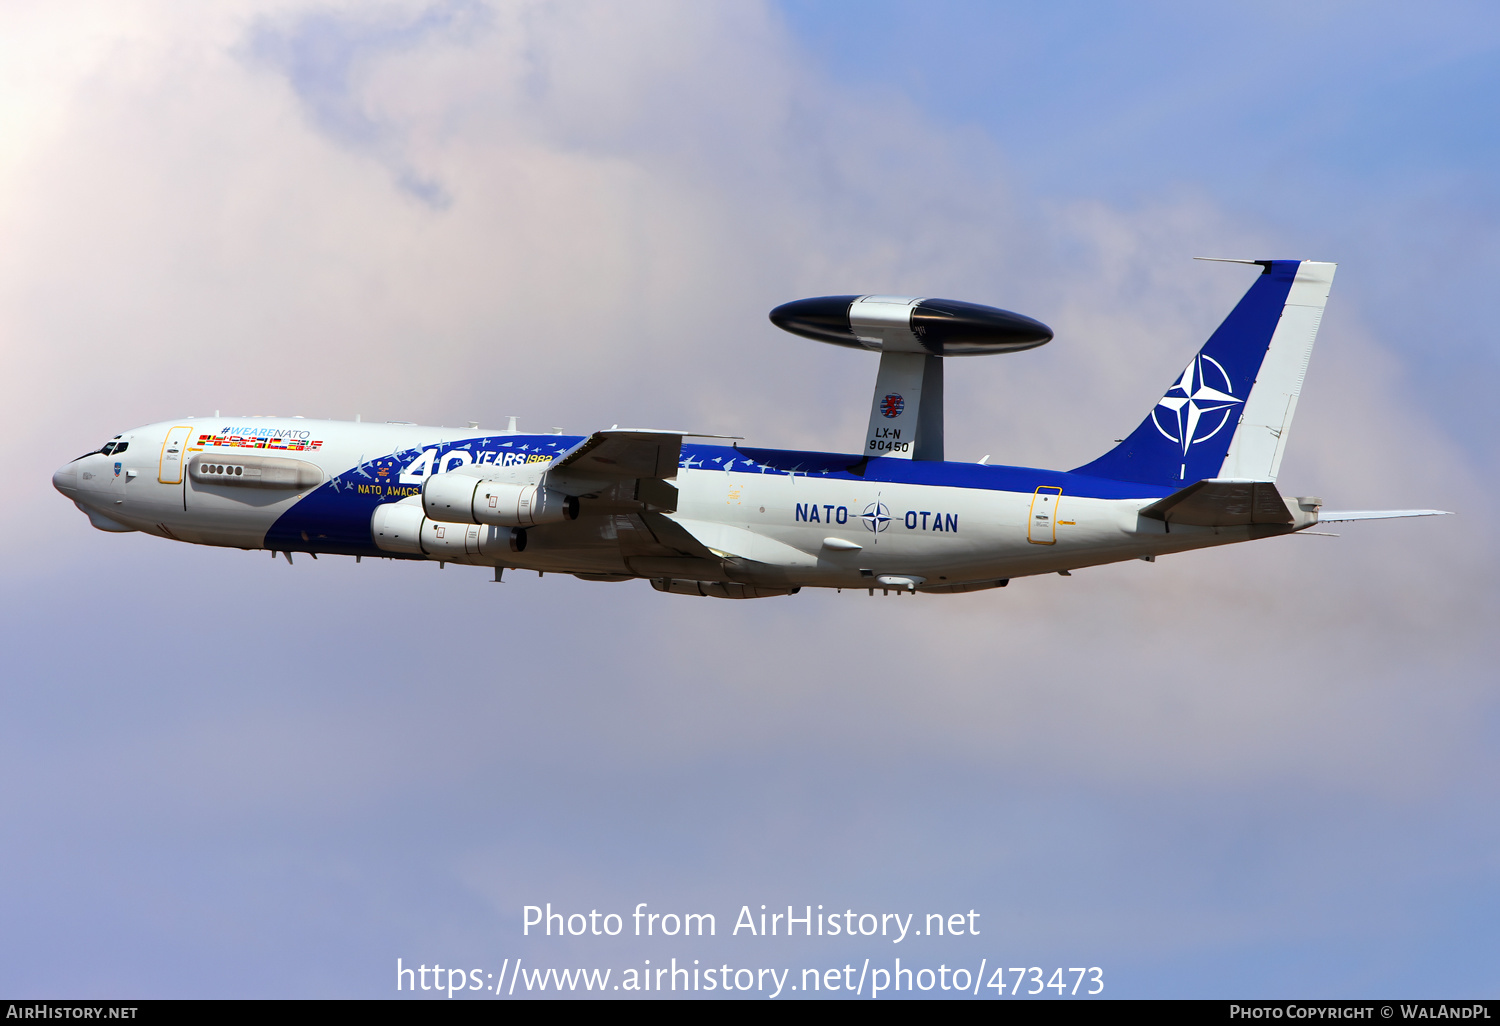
[(1228, 413)]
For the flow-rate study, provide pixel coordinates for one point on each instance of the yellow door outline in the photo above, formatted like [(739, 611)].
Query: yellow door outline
[(1041, 525), (169, 466)]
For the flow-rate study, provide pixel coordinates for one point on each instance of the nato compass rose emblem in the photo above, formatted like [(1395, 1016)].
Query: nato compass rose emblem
[(1185, 414), (892, 405), (876, 515)]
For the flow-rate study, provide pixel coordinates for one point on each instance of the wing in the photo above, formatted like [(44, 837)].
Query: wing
[(617, 454), (611, 460), (736, 543)]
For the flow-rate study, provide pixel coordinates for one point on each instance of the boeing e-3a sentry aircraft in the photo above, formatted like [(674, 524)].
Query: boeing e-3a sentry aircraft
[(731, 521)]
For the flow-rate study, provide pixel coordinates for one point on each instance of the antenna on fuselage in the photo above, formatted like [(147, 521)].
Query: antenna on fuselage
[(912, 336)]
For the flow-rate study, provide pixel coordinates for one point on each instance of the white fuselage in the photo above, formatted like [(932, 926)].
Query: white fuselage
[(772, 518)]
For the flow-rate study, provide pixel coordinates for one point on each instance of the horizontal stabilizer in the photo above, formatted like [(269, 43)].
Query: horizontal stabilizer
[(1379, 514), (1222, 503)]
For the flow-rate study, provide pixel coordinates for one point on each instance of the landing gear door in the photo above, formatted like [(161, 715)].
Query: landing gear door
[(1041, 528), (169, 470)]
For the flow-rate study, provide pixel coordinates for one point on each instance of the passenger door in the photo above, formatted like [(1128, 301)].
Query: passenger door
[(169, 469), (1041, 528)]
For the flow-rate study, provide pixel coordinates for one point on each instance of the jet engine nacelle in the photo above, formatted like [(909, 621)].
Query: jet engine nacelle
[(403, 527), (459, 498)]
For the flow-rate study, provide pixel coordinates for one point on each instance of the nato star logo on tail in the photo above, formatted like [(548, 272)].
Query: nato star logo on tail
[(1192, 401)]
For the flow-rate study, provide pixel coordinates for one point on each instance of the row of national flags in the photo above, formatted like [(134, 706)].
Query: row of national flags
[(257, 442)]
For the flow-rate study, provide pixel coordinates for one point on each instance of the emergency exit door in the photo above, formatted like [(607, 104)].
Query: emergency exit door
[(1042, 527)]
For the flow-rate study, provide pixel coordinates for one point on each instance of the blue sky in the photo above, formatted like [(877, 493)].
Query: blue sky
[(1265, 771), (1365, 133)]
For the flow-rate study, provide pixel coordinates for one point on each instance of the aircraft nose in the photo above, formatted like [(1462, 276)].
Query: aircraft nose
[(65, 480)]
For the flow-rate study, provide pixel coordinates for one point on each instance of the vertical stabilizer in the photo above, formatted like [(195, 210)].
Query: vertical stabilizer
[(1260, 442), (1227, 415)]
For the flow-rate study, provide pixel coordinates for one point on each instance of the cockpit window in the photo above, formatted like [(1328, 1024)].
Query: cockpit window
[(110, 448)]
